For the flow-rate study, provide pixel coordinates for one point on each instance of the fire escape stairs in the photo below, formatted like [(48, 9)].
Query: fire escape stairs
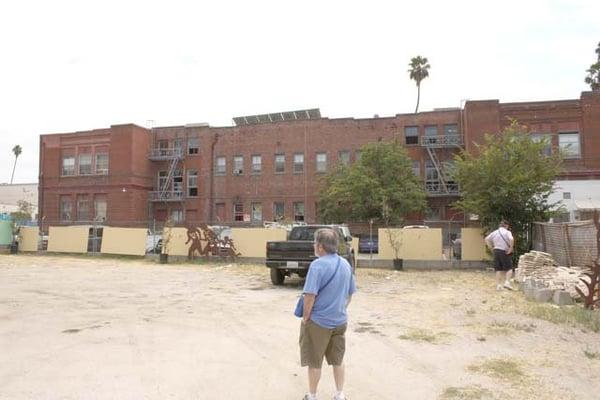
[(441, 171)]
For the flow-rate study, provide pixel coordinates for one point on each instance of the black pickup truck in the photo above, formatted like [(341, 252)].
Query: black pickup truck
[(295, 254)]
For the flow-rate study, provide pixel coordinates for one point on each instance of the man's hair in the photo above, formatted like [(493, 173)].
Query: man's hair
[(504, 223), (328, 238)]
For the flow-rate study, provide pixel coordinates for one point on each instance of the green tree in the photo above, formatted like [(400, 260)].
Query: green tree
[(380, 186), (419, 70), (17, 150), (593, 77), (24, 212), (510, 177)]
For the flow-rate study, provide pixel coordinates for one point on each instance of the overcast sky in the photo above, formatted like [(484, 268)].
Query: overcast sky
[(79, 65)]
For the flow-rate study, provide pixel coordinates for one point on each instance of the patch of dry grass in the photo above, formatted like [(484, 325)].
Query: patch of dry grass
[(474, 392), (508, 328), (423, 335), (504, 369)]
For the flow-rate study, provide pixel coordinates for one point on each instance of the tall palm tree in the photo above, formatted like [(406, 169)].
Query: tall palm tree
[(593, 77), (419, 70), (17, 150)]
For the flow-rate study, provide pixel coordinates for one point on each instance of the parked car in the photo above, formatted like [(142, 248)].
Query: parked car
[(368, 244), (293, 256), (415, 227)]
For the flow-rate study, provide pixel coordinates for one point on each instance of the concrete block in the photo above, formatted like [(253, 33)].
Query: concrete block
[(562, 298), (543, 295), (529, 292)]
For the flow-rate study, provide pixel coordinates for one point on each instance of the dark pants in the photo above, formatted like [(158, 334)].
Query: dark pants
[(502, 261)]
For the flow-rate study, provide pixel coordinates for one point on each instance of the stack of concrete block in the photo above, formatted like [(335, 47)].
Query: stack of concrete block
[(543, 280)]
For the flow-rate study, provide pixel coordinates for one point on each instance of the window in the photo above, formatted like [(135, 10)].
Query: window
[(178, 145), (238, 212), (102, 163), (450, 129), (538, 137), (411, 134), (358, 154), (68, 166), (568, 143), (177, 216), (278, 211), (344, 157), (178, 181), (162, 180), (65, 208), (299, 211), (298, 163), (192, 183), (431, 133), (83, 208), (432, 183), (85, 164), (193, 145), (256, 164), (221, 166), (321, 162), (256, 212), (238, 165), (100, 208), (279, 163), (163, 147), (416, 167), (433, 214)]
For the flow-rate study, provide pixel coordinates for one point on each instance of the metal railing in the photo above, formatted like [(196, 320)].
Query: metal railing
[(170, 153), (435, 188), (442, 140), (170, 195)]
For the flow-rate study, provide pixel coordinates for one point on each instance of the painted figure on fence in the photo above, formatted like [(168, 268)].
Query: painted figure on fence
[(213, 245)]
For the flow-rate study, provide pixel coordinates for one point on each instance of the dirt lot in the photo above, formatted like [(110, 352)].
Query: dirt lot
[(89, 328)]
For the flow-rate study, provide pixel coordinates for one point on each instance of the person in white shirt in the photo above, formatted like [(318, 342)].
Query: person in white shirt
[(502, 243)]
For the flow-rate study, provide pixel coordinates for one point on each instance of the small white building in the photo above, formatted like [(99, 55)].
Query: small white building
[(579, 197)]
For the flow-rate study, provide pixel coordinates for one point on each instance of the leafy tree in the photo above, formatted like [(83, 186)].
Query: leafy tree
[(419, 70), (593, 77), (24, 212), (380, 186), (510, 178), (17, 150)]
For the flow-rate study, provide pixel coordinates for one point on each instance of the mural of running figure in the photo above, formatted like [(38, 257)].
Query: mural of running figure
[(214, 246)]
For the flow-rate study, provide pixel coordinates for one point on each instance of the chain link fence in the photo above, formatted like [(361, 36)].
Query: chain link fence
[(571, 244)]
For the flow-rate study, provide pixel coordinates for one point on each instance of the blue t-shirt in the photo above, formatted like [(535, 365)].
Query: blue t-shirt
[(329, 310)]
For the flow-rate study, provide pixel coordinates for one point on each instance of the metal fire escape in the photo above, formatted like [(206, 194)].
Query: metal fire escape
[(443, 185), (167, 190)]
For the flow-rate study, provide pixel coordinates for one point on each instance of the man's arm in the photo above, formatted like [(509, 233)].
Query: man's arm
[(348, 301), (309, 302), (488, 241)]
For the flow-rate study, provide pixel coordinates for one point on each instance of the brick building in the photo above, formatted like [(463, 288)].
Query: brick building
[(267, 166)]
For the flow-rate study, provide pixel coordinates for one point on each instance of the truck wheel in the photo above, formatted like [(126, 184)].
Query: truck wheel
[(277, 276)]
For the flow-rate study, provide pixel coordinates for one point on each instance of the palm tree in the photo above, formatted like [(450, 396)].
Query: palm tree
[(593, 77), (17, 150), (419, 70)]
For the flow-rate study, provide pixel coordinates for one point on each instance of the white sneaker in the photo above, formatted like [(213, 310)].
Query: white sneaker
[(307, 396), (337, 397), (507, 286), (498, 287)]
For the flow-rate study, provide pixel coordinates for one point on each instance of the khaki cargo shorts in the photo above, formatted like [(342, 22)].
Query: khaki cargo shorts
[(316, 342)]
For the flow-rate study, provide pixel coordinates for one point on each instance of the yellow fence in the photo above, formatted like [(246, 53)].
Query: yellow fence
[(126, 241), (28, 238), (68, 239), (252, 242), (473, 245), (414, 244), (174, 241)]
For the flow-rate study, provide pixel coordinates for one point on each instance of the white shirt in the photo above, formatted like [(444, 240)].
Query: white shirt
[(501, 238)]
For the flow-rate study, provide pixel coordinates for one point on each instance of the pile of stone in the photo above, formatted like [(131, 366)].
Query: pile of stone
[(543, 280)]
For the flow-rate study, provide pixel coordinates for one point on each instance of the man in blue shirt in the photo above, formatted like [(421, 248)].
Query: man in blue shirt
[(327, 292)]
